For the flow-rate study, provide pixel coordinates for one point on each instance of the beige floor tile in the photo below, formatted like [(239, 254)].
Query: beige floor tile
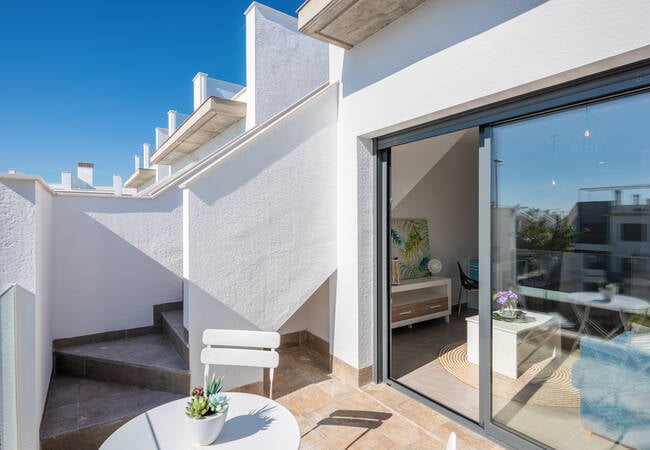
[(421, 415), (385, 394), (427, 443), (373, 439), (402, 432), (305, 400), (334, 415)]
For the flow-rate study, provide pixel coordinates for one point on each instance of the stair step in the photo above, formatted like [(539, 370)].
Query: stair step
[(81, 413), (149, 361), (172, 327)]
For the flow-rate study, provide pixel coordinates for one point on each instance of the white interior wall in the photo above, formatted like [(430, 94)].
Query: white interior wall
[(447, 196), (431, 64), (262, 228), (282, 64), (115, 259)]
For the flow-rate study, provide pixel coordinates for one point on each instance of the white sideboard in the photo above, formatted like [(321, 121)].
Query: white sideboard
[(420, 299)]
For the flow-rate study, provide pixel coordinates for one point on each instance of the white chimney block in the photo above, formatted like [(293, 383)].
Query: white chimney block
[(146, 153), (137, 162), (162, 172), (66, 180), (171, 121), (200, 89), (161, 136), (117, 184), (85, 172)]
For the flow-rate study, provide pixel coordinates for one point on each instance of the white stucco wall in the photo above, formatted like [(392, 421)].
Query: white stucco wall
[(262, 227), (26, 259), (115, 259), (214, 144), (44, 283), (313, 315), (18, 236), (282, 64), (444, 57)]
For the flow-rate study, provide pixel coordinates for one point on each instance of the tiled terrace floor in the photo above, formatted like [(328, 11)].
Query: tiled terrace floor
[(334, 415)]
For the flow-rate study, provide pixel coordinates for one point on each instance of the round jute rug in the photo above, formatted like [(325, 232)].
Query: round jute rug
[(547, 382)]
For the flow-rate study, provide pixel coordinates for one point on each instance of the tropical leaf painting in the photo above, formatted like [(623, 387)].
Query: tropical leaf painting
[(410, 243)]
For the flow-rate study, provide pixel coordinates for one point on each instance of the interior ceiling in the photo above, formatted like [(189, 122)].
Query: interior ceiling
[(411, 162)]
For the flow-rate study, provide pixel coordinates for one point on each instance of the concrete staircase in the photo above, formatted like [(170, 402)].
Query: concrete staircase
[(103, 380)]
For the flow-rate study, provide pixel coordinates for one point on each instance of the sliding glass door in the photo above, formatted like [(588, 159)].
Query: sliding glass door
[(433, 269), (570, 364), (544, 202)]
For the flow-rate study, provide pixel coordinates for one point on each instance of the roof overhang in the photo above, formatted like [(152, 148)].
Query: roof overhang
[(346, 23), (210, 119), (140, 177)]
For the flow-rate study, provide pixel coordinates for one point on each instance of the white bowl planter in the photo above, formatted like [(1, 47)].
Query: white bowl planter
[(206, 430)]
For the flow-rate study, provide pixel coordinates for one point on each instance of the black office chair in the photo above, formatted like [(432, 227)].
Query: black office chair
[(466, 283)]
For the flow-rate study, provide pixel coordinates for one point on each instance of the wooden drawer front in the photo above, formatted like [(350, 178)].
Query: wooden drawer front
[(432, 306), (405, 312)]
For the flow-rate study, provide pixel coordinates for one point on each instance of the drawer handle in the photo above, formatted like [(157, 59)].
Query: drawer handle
[(405, 312), (436, 306)]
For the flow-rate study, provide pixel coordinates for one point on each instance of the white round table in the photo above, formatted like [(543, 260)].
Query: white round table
[(252, 422)]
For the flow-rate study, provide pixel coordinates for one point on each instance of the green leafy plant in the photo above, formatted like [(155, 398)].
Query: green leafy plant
[(197, 407), (208, 401)]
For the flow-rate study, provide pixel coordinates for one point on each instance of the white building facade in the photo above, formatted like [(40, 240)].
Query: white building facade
[(265, 208)]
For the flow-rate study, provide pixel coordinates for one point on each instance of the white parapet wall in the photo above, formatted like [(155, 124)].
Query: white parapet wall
[(26, 257), (282, 64), (115, 258), (442, 58), (261, 228)]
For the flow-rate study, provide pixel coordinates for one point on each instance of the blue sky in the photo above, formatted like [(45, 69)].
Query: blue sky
[(89, 80), (548, 159)]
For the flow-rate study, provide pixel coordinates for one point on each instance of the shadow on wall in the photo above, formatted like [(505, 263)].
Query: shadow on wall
[(425, 31), (206, 312), (109, 278)]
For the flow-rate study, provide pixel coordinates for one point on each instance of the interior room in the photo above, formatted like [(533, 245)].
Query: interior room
[(569, 259), (434, 229)]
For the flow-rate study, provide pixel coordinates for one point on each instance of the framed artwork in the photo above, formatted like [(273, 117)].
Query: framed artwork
[(410, 243)]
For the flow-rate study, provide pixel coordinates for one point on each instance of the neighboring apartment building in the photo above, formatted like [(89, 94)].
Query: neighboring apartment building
[(614, 233), (266, 207)]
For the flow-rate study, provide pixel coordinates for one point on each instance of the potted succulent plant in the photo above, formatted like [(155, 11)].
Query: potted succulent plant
[(608, 291), (207, 410)]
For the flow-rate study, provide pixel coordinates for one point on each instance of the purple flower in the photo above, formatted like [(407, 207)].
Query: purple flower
[(504, 298)]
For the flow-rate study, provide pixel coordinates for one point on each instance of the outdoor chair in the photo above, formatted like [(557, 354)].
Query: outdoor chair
[(466, 283), (240, 348)]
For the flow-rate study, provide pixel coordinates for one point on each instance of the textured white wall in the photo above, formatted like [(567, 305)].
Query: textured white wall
[(115, 258), (444, 57), (313, 315), (214, 144), (282, 64), (44, 283), (18, 236), (26, 259), (262, 227)]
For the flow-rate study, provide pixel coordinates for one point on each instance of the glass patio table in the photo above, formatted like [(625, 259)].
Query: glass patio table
[(253, 421), (582, 303)]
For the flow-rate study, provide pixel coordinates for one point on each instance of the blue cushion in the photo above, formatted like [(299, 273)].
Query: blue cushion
[(614, 381)]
